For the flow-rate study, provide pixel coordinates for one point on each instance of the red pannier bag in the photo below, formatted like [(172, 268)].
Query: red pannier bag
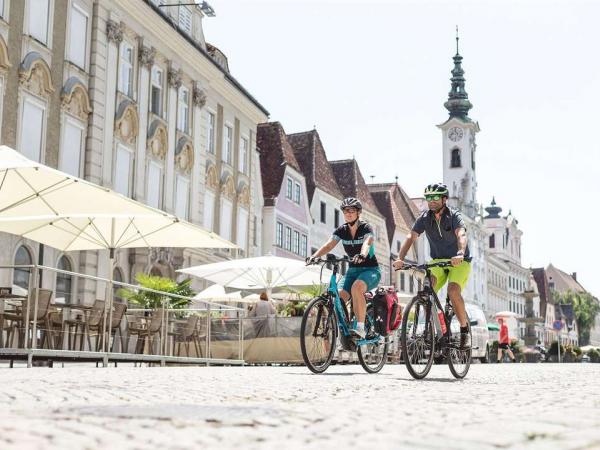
[(387, 311)]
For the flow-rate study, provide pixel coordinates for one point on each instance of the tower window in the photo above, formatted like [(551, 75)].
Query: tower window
[(455, 160), (492, 241)]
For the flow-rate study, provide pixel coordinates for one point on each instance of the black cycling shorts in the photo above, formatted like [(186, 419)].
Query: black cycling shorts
[(503, 346)]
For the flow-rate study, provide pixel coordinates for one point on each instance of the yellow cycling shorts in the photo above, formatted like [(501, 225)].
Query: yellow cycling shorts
[(458, 274)]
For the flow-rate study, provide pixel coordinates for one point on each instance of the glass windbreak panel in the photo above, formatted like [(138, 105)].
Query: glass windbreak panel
[(64, 282), (21, 276)]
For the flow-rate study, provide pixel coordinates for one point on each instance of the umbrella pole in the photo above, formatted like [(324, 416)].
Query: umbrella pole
[(111, 259), (32, 285)]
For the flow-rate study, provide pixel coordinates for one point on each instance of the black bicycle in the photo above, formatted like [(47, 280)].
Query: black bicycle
[(427, 333)]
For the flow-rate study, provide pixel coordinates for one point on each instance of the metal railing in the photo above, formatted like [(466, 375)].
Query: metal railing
[(167, 321)]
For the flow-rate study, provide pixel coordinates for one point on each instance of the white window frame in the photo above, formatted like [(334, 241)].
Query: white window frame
[(211, 126), (62, 159), (121, 147), (159, 167), (32, 29), (123, 64), (289, 190), (243, 157), (288, 238), (2, 6), (296, 242), (81, 63), (185, 25), (227, 155), (208, 218), (225, 222), (303, 245), (297, 192), (242, 228), (279, 241), (183, 109), (182, 211), (27, 98), (158, 86)]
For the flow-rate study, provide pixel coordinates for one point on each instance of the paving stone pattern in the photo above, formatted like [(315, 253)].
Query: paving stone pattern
[(520, 406)]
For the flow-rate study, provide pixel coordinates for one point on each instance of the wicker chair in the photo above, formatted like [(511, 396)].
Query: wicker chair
[(187, 334), (148, 333), (17, 319)]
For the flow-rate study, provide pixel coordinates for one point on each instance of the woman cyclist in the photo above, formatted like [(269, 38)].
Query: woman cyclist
[(364, 273)]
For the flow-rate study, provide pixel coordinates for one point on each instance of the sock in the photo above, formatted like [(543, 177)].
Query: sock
[(464, 330), (360, 326)]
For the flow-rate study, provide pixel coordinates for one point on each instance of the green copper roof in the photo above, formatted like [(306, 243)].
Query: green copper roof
[(458, 104)]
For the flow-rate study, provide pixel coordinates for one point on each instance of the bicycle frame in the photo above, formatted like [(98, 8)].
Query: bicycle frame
[(340, 308)]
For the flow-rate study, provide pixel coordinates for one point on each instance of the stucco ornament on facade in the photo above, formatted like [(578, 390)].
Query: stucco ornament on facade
[(157, 142), (244, 195), (199, 97), (75, 99), (175, 77), (147, 55), (127, 122), (114, 31), (211, 177), (184, 155), (34, 75), (4, 60), (227, 186)]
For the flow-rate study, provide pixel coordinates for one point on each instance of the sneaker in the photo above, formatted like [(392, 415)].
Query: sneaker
[(358, 334), (465, 341)]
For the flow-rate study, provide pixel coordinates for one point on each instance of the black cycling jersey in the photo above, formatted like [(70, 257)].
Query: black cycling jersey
[(353, 245)]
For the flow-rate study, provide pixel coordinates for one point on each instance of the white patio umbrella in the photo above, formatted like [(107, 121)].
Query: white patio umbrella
[(216, 293), (68, 213), (260, 273)]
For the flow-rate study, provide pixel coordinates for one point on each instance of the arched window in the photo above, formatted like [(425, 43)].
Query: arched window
[(23, 257), (492, 241), (455, 161), (64, 282), (117, 276), (156, 272)]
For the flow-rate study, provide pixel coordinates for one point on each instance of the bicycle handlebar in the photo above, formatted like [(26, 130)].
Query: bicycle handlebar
[(425, 266), (320, 260)]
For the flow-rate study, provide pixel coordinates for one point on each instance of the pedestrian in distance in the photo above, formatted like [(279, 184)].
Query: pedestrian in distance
[(503, 342)]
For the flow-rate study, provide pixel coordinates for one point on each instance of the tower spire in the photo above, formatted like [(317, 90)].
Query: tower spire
[(458, 104)]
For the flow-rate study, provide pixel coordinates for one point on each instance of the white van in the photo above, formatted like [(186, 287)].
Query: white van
[(480, 333)]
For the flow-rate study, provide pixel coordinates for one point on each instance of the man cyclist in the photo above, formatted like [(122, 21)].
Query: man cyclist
[(364, 273), (447, 236)]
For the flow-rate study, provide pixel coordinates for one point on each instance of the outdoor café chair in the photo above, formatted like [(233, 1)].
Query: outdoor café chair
[(147, 333), (18, 319), (187, 334)]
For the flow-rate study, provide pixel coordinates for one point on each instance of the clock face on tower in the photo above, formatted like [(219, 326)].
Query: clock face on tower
[(455, 134)]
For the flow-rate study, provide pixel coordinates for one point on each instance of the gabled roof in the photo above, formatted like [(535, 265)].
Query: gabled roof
[(393, 203), (539, 275), (311, 156), (275, 154), (352, 183), (562, 281)]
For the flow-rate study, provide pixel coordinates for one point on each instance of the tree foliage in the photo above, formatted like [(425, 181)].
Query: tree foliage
[(585, 308), (154, 300)]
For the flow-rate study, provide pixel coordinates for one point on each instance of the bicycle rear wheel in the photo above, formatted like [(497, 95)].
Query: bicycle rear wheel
[(459, 361), (417, 337), (372, 357), (318, 334)]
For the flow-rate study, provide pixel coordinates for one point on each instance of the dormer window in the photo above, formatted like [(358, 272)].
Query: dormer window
[(185, 19), (455, 158)]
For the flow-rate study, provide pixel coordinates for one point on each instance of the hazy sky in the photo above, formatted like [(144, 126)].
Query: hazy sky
[(373, 77)]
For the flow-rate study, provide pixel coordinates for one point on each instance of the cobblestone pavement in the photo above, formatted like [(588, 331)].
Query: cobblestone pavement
[(498, 406)]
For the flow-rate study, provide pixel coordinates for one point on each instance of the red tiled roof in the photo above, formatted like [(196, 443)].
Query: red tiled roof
[(392, 205), (562, 281), (352, 184), (539, 275), (275, 153), (311, 156)]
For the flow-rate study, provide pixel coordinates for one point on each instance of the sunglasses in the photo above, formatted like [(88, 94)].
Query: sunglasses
[(432, 198), (349, 210)]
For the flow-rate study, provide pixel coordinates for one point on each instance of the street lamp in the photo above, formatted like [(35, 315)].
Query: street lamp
[(204, 7)]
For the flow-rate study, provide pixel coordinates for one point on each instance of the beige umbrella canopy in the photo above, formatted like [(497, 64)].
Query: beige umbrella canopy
[(69, 214)]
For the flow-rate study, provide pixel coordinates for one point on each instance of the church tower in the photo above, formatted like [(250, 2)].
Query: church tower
[(458, 143)]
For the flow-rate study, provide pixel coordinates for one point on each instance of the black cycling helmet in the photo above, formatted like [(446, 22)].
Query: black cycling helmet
[(437, 189), (351, 202)]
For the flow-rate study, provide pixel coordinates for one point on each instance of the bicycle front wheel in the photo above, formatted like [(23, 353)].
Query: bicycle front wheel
[(459, 360), (417, 337), (318, 334), (372, 357)]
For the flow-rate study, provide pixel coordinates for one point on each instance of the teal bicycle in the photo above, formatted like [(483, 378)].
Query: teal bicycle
[(326, 316)]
